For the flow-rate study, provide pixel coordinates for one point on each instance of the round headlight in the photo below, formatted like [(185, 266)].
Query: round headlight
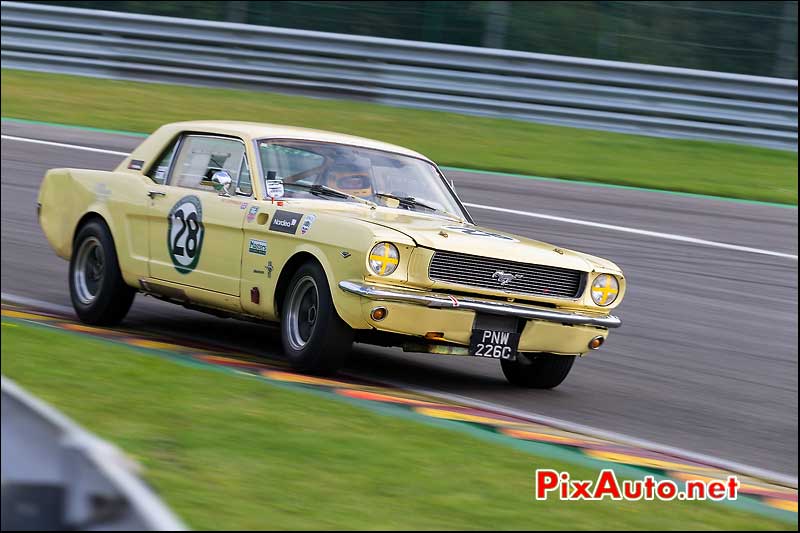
[(605, 289), (384, 258)]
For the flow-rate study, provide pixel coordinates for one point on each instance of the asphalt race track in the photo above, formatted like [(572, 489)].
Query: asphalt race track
[(706, 359)]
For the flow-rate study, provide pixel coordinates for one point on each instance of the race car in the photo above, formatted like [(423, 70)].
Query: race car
[(338, 238)]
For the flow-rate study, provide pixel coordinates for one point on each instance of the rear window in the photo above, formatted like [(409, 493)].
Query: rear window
[(159, 171)]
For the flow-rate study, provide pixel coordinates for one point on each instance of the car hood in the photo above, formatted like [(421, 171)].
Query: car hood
[(443, 234)]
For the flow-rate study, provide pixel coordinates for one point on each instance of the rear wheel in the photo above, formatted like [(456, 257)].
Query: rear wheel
[(537, 371), (98, 292), (314, 338)]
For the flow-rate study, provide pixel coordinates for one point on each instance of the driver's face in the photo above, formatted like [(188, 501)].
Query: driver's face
[(357, 184)]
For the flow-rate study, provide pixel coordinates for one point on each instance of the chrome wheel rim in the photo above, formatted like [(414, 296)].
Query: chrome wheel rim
[(303, 312), (89, 270)]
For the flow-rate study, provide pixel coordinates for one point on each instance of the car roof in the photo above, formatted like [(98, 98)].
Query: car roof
[(257, 130)]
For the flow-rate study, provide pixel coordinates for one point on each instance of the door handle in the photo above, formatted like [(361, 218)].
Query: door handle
[(153, 194)]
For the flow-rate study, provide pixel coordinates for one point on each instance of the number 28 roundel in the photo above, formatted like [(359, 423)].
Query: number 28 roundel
[(185, 233)]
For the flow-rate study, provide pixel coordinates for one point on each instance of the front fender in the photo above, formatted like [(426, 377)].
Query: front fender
[(347, 305)]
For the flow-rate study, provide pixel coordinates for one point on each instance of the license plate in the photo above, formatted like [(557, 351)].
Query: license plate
[(494, 344)]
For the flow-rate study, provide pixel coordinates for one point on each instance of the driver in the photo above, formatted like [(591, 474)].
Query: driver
[(351, 178)]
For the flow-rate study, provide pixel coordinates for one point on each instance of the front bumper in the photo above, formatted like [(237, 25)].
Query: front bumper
[(445, 301)]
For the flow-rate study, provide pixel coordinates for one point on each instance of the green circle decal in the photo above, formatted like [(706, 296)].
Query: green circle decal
[(185, 233)]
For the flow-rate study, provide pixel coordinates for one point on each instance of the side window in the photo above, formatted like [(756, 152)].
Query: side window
[(199, 157), (158, 172)]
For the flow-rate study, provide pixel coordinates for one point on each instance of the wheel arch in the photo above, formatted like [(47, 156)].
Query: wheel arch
[(97, 215), (85, 219), (347, 306), (292, 265)]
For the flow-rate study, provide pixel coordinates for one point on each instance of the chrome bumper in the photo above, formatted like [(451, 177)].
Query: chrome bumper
[(444, 301)]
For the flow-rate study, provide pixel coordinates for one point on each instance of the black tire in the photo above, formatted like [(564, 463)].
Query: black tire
[(537, 371), (314, 338), (99, 294)]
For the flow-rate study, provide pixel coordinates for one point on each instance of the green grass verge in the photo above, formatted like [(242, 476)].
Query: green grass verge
[(450, 139), (234, 453)]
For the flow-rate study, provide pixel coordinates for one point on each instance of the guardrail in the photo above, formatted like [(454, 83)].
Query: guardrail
[(569, 91), (56, 476)]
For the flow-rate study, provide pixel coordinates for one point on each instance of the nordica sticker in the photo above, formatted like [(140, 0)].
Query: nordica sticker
[(307, 224), (479, 233), (185, 233), (285, 221), (257, 247)]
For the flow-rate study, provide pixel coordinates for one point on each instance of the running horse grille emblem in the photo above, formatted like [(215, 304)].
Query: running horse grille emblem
[(504, 278)]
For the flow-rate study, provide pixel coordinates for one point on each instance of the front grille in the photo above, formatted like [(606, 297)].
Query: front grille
[(477, 271)]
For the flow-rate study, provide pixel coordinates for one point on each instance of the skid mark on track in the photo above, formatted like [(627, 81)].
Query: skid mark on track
[(756, 494)]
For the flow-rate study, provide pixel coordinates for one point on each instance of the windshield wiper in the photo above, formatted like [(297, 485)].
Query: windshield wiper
[(410, 201), (324, 190)]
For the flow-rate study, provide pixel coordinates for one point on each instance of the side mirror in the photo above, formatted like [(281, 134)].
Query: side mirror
[(222, 182)]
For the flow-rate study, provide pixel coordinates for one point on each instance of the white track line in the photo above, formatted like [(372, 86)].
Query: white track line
[(656, 234), (36, 304), (63, 145), (732, 466), (659, 235)]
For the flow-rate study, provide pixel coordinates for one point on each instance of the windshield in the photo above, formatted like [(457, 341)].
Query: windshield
[(385, 178)]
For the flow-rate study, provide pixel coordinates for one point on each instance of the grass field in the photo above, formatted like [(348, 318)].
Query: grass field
[(230, 452), (449, 139)]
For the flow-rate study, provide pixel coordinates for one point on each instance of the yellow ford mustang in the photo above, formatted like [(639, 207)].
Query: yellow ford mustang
[(338, 238)]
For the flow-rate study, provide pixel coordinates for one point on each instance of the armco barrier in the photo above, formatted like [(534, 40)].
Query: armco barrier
[(570, 91), (57, 476)]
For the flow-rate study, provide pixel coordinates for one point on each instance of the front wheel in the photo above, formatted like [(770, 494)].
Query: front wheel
[(314, 338), (537, 371), (98, 292)]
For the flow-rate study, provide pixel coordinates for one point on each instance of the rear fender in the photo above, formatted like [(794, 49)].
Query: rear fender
[(69, 197)]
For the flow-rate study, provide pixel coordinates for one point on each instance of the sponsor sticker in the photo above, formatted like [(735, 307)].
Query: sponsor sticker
[(251, 215), (243, 205), (479, 233), (275, 188), (257, 247), (136, 164), (285, 221), (307, 224), (185, 233)]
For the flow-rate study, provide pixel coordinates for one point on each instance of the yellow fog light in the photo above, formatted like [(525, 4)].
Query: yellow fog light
[(605, 289), (384, 258)]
